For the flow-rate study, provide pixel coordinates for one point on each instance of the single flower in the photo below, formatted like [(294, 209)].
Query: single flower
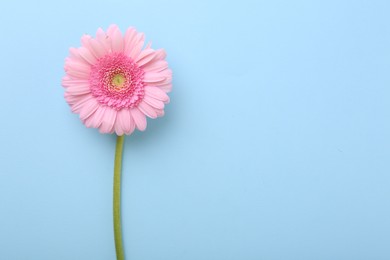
[(113, 83)]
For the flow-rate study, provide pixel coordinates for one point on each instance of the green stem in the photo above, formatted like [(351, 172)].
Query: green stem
[(117, 198)]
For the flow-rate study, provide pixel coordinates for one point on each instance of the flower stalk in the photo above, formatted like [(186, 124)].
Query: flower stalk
[(117, 198)]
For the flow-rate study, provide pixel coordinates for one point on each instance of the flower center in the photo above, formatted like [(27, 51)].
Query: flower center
[(117, 81)]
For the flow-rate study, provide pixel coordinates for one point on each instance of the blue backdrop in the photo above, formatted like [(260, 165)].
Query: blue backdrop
[(275, 144)]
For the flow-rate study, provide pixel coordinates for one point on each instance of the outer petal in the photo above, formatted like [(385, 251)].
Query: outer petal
[(95, 120), (129, 40), (102, 37), (69, 82), (157, 104), (160, 113), (117, 41), (166, 87), (147, 109), (156, 93), (78, 90), (155, 66), (124, 122), (87, 55), (152, 77), (73, 99), (72, 64), (98, 48), (161, 54), (145, 57), (108, 121), (80, 103), (137, 45), (89, 107), (139, 119)]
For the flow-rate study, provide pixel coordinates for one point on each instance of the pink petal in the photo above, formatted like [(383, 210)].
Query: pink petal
[(68, 82), (118, 128), (77, 74), (145, 57), (166, 87), (152, 77), (74, 53), (154, 102), (79, 104), (160, 112), (87, 55), (111, 29), (88, 109), (161, 54), (98, 48), (148, 46), (108, 121), (78, 89), (147, 110), (95, 120), (117, 41), (71, 64), (155, 78), (85, 41), (102, 37), (139, 119), (156, 93), (155, 66), (125, 121), (129, 39), (137, 45), (73, 99)]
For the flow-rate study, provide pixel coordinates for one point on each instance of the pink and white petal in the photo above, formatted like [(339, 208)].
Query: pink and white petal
[(108, 121), (78, 90), (85, 41), (166, 87), (156, 93), (76, 74), (161, 54), (137, 45), (95, 120), (111, 29), (74, 55), (145, 57), (117, 41), (118, 128), (152, 77), (148, 46), (90, 106), (156, 104), (73, 99), (71, 64), (69, 82), (125, 120), (147, 109), (87, 55), (79, 104), (129, 40), (102, 37), (160, 112), (155, 66), (139, 119), (98, 48)]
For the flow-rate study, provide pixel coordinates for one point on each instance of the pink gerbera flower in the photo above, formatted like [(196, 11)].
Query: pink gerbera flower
[(113, 84)]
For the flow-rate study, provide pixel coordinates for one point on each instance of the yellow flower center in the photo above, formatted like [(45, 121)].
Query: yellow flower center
[(119, 81)]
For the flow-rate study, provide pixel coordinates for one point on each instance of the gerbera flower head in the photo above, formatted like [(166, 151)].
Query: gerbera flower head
[(113, 83)]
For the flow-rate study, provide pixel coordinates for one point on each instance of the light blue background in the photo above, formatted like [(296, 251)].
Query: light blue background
[(275, 144)]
